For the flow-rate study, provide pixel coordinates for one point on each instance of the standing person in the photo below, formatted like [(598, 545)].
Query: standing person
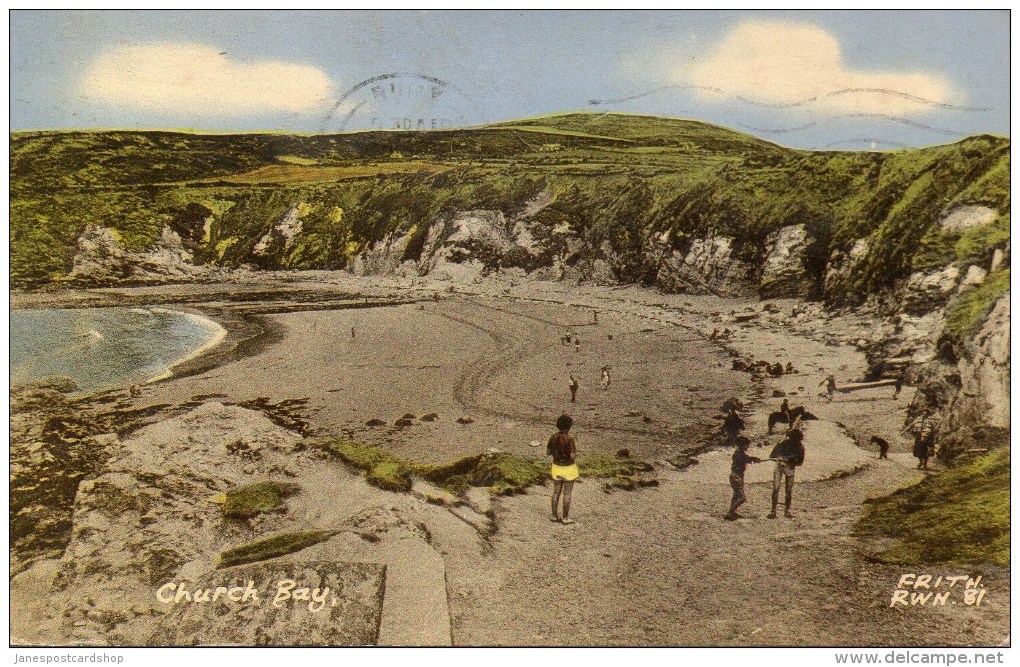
[(573, 389), (899, 385), (733, 424), (577, 345), (830, 386), (605, 377), (352, 331), (784, 410), (737, 468), (923, 429), (788, 455), (594, 317), (564, 471), (883, 446)]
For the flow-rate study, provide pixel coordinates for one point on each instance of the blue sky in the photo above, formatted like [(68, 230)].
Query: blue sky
[(808, 79)]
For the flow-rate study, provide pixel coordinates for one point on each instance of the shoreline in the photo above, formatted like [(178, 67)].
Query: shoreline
[(219, 333)]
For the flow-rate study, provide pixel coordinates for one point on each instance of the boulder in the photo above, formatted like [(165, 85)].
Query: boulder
[(963, 218), (924, 292), (975, 276)]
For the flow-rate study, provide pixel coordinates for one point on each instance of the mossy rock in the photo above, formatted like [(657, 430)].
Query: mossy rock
[(381, 468), (247, 501), (390, 476), (271, 547)]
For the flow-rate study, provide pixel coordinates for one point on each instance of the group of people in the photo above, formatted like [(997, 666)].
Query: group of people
[(788, 456)]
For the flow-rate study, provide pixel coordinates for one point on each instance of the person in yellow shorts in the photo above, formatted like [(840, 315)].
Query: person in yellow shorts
[(564, 470)]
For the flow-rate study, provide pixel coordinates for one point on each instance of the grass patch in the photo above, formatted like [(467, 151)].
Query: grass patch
[(251, 499), (956, 517), (502, 473), (620, 473), (297, 159), (271, 547), (309, 173), (607, 465), (382, 469), (506, 474), (967, 311)]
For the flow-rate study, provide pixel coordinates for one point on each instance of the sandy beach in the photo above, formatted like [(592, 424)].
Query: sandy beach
[(656, 566)]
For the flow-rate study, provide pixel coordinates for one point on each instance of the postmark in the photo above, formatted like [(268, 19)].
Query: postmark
[(401, 101)]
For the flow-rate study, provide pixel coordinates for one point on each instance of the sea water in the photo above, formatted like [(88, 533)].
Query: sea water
[(103, 348)]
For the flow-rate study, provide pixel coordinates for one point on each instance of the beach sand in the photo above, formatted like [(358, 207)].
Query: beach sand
[(499, 363), (656, 566)]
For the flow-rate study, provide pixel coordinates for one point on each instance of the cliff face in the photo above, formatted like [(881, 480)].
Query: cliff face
[(100, 259), (679, 205), (984, 372)]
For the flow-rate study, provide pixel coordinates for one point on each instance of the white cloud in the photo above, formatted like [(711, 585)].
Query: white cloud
[(785, 64), (181, 77)]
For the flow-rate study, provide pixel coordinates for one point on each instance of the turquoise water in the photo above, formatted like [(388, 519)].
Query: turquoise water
[(102, 348)]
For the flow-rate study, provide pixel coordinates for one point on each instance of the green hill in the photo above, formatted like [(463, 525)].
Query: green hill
[(613, 179)]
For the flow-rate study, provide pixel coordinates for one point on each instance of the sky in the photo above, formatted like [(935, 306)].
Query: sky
[(805, 79)]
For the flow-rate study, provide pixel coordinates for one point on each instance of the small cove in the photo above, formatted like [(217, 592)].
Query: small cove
[(102, 348)]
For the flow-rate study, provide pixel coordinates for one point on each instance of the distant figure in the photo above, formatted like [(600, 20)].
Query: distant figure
[(883, 446), (594, 317), (791, 417), (714, 335), (573, 389), (830, 386), (923, 429), (605, 377), (352, 331), (732, 403), (577, 345), (790, 368), (898, 385), (135, 390), (788, 455), (784, 409), (740, 461), (733, 424), (564, 471)]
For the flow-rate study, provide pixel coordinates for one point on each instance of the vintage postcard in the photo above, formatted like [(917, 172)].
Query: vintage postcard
[(510, 328)]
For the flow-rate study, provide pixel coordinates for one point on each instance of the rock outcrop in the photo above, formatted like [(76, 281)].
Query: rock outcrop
[(925, 292), (283, 231), (708, 267), (148, 518), (984, 369), (783, 273), (963, 218), (99, 258), (842, 264)]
